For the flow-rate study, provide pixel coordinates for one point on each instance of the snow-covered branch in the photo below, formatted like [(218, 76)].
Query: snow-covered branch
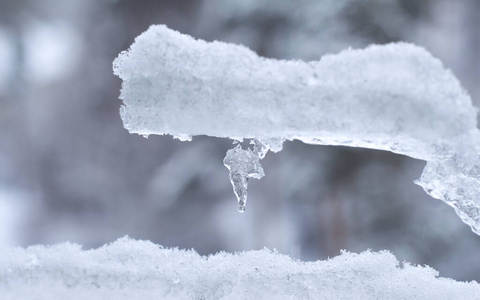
[(395, 97)]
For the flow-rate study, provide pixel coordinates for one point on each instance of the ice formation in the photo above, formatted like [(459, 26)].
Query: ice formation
[(394, 97), (243, 164), (129, 269)]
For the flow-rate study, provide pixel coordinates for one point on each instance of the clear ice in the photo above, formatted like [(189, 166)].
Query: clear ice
[(243, 165), (395, 97)]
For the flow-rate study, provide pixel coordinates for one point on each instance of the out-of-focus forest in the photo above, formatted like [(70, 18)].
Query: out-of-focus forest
[(69, 171)]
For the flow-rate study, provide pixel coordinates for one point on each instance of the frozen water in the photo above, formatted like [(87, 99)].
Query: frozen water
[(395, 97), (262, 146), (243, 165), (129, 269)]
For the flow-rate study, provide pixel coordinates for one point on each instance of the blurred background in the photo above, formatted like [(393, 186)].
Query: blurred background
[(69, 171)]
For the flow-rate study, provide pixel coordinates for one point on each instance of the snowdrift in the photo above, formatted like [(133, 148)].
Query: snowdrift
[(130, 269)]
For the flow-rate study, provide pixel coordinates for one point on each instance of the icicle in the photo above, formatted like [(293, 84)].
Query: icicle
[(243, 165), (240, 185), (259, 148)]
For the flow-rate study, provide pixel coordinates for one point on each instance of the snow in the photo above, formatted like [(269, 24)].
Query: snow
[(130, 269), (395, 97)]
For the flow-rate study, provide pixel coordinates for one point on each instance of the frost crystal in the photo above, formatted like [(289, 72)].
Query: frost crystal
[(129, 269), (395, 97)]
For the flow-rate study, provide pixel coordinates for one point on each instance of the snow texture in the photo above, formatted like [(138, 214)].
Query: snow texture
[(129, 269), (395, 97)]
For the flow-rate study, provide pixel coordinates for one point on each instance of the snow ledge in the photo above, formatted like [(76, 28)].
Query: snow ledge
[(130, 269), (395, 97)]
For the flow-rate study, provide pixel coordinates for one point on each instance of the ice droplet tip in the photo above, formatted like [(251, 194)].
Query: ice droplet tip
[(241, 208)]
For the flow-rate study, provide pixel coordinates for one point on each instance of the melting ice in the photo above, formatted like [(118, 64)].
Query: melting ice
[(245, 164)]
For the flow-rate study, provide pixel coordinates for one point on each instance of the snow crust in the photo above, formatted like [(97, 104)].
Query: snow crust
[(130, 269), (395, 97)]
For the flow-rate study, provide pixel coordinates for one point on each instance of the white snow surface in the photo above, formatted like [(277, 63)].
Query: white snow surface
[(395, 97), (130, 269)]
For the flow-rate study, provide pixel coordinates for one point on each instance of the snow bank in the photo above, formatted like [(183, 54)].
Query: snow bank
[(129, 269), (395, 97)]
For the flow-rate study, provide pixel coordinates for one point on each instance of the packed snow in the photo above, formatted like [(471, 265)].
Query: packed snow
[(395, 97), (130, 269)]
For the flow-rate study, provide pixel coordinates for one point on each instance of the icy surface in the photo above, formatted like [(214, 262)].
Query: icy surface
[(395, 97), (129, 269)]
